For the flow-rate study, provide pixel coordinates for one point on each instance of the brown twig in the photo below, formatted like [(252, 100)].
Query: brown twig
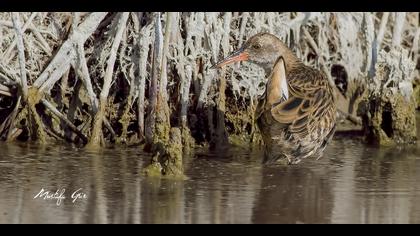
[(54, 110)]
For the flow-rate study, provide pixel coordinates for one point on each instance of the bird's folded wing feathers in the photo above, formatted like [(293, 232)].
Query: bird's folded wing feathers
[(301, 110)]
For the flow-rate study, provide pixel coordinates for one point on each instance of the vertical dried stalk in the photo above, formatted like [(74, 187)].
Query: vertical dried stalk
[(11, 120), (377, 43), (415, 46), (398, 28), (75, 23), (382, 29), (198, 24), (184, 67), (221, 135), (125, 117), (144, 42), (156, 69), (97, 127), (83, 72), (369, 35), (213, 42), (171, 23), (113, 55), (73, 104), (244, 20), (185, 91), (21, 54)]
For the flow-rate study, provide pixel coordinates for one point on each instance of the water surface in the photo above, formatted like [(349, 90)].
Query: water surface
[(353, 183)]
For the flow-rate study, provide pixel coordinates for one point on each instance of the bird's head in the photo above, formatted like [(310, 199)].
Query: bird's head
[(262, 49)]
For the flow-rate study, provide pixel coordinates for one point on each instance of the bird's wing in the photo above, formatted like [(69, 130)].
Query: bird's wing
[(308, 102)]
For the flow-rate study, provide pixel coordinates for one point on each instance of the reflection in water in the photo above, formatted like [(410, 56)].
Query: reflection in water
[(353, 183), (293, 196)]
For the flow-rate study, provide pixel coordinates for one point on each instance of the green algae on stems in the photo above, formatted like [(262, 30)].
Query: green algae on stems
[(388, 112), (167, 161), (38, 133)]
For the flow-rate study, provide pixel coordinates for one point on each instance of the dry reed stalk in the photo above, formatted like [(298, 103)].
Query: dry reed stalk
[(153, 87), (97, 126), (144, 42), (21, 53)]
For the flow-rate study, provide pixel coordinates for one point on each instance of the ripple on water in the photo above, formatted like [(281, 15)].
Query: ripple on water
[(350, 181)]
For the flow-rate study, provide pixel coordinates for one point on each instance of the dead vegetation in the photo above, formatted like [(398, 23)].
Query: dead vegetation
[(128, 78)]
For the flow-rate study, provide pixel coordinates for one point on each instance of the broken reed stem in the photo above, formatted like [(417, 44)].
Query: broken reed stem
[(185, 91), (376, 44), (11, 120), (314, 46), (6, 23), (21, 54), (66, 54), (54, 110), (244, 20), (369, 35), (6, 76), (208, 77), (41, 40), (197, 49), (144, 42), (82, 71), (73, 103), (4, 90), (221, 136), (382, 29), (76, 20), (97, 126), (6, 54), (113, 55), (354, 119), (129, 75), (153, 91), (398, 28), (170, 27), (415, 47)]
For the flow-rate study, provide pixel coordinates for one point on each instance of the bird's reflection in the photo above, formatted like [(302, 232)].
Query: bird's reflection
[(293, 194)]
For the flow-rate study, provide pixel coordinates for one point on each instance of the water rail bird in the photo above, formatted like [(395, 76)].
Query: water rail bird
[(296, 115)]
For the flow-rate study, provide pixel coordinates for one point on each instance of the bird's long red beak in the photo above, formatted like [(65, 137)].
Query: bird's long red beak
[(239, 55)]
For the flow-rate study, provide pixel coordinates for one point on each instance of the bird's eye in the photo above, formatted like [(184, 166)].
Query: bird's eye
[(256, 46)]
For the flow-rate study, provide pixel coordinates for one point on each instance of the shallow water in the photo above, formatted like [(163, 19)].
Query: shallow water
[(353, 183)]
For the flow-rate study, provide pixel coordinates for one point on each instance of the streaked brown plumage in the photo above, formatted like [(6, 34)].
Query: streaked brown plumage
[(296, 114)]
